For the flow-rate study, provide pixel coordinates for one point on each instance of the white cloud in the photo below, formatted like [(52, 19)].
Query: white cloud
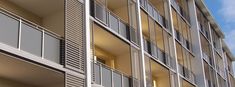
[(230, 39), (228, 10)]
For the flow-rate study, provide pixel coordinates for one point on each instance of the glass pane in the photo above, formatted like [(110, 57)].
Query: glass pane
[(133, 35), (117, 79), (100, 13), (148, 72), (135, 63), (51, 48), (9, 30), (123, 30), (126, 82), (106, 77), (113, 23), (155, 15), (97, 73), (150, 9), (31, 40), (153, 50), (133, 17)]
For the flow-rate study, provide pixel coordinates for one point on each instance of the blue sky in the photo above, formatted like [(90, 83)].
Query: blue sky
[(224, 13)]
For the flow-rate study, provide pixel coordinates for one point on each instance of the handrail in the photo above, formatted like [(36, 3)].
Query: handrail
[(158, 18), (185, 70), (157, 50), (179, 9), (43, 32), (182, 40), (107, 10), (106, 20), (12, 15), (110, 68)]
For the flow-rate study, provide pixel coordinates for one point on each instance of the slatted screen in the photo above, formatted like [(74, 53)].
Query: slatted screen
[(74, 36), (74, 81)]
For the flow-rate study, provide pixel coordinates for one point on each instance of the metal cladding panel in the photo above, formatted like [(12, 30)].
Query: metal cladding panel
[(74, 36), (74, 81)]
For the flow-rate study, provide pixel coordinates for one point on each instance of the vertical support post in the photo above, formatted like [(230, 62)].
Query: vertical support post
[(174, 42), (198, 63), (143, 79), (88, 41)]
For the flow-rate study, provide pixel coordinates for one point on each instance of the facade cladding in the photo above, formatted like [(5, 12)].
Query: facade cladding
[(112, 43)]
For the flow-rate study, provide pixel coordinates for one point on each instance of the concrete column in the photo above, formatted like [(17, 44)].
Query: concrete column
[(171, 26), (143, 79), (198, 66)]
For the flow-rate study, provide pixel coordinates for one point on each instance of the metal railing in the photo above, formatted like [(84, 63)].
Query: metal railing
[(152, 11), (115, 23), (203, 31), (180, 10), (29, 37), (108, 77), (158, 54), (188, 74), (207, 58), (182, 40)]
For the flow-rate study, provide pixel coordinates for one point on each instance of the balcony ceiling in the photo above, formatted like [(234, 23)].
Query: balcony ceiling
[(109, 43), (115, 4), (40, 7), (26, 73), (158, 70)]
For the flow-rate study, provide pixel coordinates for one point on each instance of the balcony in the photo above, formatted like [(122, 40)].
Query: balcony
[(29, 37), (182, 40), (186, 73), (180, 10), (207, 58), (158, 54), (111, 59), (156, 74), (203, 31), (106, 76), (114, 22), (154, 13)]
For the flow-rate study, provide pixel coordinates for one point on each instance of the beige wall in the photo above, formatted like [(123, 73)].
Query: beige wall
[(20, 11), (109, 58), (123, 63), (55, 22), (8, 83), (122, 13)]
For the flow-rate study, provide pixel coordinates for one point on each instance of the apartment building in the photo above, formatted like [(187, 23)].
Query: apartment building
[(112, 43)]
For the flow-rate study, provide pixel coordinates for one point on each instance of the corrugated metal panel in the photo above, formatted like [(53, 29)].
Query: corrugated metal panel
[(74, 36)]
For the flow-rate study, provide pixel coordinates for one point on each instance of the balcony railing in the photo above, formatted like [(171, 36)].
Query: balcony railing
[(115, 23), (147, 45), (207, 58), (152, 11), (106, 76), (180, 10), (158, 54), (182, 40), (186, 73), (29, 37), (203, 31)]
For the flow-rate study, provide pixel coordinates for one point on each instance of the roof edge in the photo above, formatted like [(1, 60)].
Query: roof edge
[(210, 17)]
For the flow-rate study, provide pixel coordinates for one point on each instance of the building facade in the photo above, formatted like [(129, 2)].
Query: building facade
[(112, 43)]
